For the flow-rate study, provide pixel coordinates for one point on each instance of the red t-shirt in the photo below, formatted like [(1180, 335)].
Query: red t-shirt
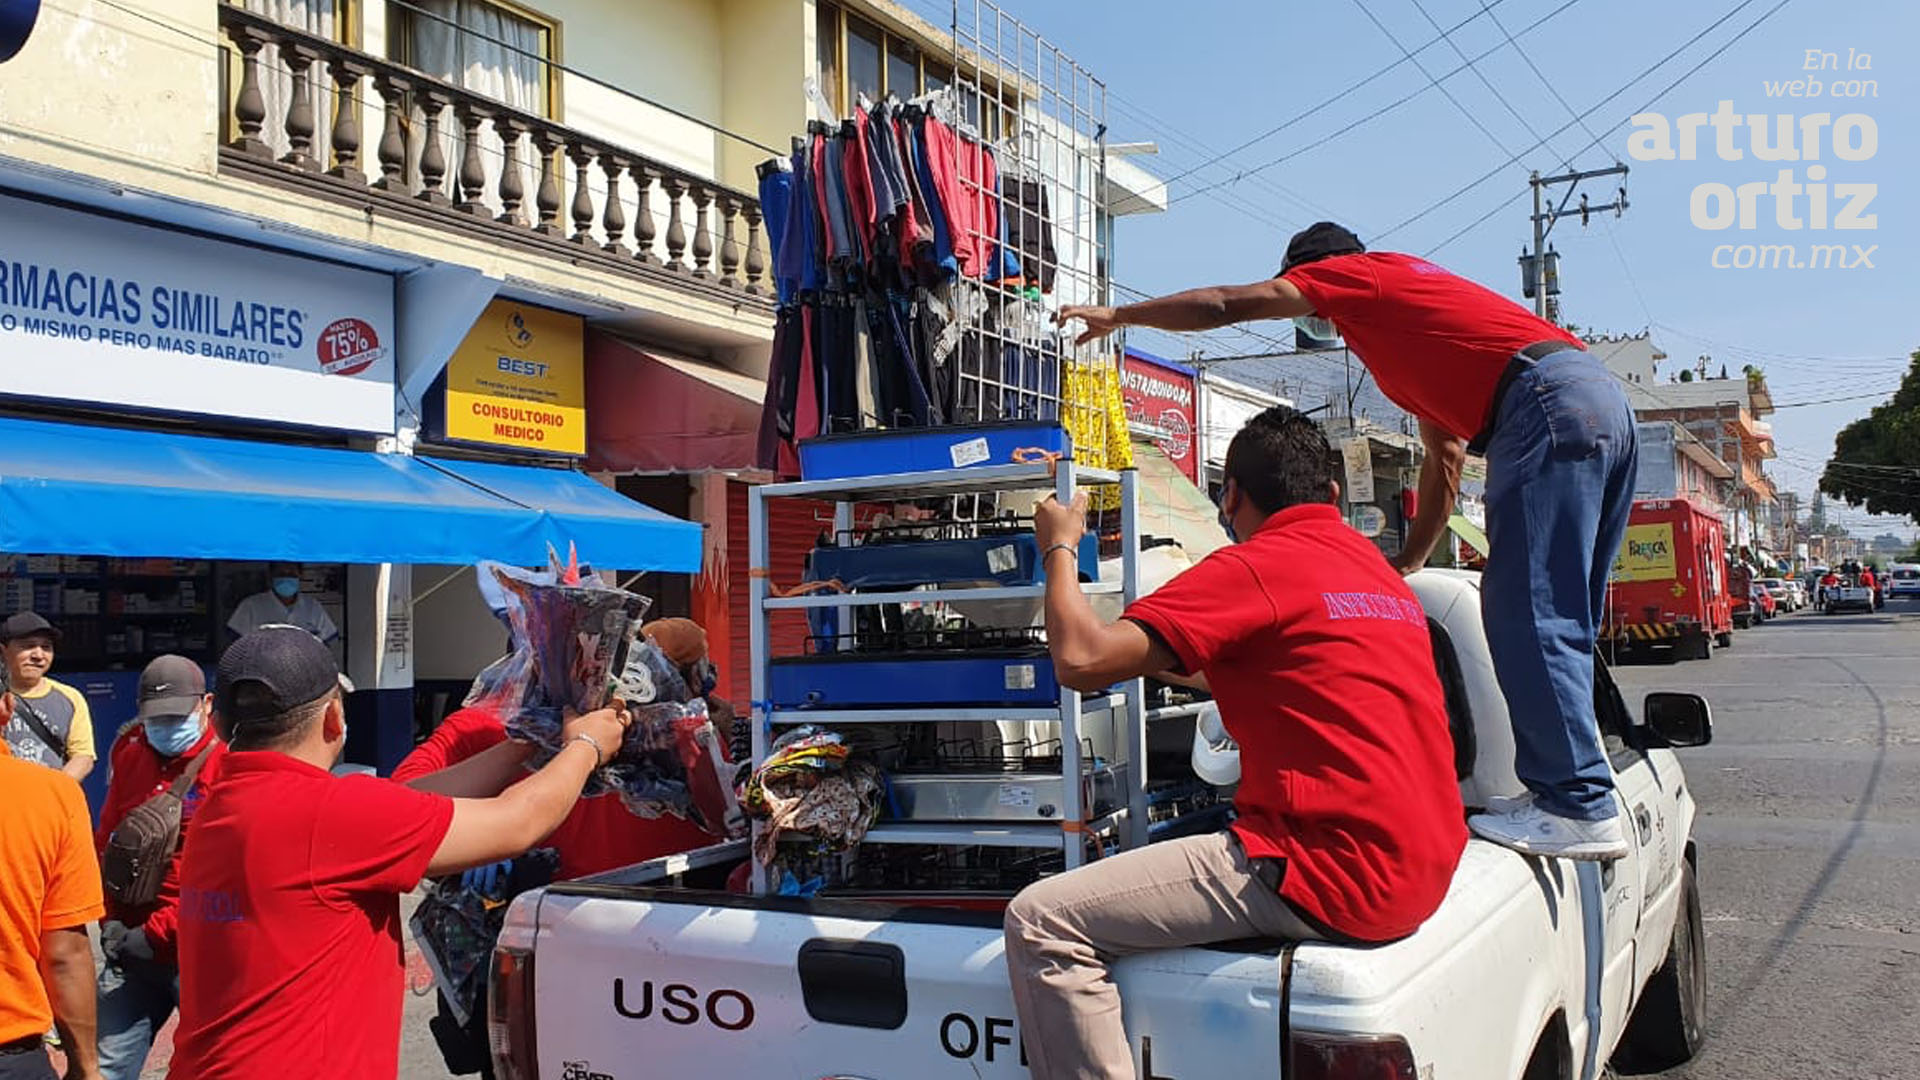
[(1435, 342), (1322, 664), (599, 834), (138, 772), (290, 954)]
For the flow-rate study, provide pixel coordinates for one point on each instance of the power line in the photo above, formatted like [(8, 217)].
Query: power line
[(1535, 68), (1496, 170), (1435, 83), (1375, 114), (1481, 75), (1289, 122)]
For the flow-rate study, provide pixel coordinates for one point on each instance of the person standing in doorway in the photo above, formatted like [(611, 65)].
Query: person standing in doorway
[(283, 603), (49, 894), (172, 735), (51, 723), (1482, 374)]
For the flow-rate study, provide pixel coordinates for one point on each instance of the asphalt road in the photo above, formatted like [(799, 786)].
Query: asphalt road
[(1809, 839)]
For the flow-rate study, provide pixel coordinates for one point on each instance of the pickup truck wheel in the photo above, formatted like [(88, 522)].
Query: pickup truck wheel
[(1665, 1028), (1724, 639)]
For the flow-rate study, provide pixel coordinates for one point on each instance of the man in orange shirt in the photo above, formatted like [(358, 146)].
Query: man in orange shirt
[(49, 892)]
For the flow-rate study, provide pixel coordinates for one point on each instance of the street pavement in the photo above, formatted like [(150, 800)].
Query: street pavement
[(1809, 840)]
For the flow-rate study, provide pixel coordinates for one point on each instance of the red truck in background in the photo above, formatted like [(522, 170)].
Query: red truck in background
[(1669, 591)]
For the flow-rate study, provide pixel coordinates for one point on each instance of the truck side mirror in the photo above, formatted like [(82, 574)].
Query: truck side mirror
[(1679, 719)]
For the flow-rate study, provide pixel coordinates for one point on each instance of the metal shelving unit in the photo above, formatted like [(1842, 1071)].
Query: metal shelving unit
[(1127, 823)]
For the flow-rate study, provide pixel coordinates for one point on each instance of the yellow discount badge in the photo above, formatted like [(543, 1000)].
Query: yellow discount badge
[(519, 379)]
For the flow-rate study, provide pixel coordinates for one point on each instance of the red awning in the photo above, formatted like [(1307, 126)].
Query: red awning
[(651, 412)]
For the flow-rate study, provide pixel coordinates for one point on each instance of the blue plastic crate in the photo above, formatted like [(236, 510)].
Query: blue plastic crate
[(913, 450), (1006, 560), (867, 681)]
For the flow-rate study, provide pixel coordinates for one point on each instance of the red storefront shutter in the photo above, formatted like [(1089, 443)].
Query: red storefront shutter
[(793, 530)]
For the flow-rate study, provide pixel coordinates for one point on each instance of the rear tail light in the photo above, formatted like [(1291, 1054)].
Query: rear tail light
[(1313, 1056), (510, 1033)]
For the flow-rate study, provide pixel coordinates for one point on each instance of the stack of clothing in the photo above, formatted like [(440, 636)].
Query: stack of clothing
[(908, 265)]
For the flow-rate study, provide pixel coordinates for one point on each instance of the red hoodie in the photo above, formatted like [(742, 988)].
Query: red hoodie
[(137, 772)]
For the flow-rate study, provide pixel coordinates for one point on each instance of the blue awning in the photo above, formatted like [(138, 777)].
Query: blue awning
[(609, 529), (79, 490)]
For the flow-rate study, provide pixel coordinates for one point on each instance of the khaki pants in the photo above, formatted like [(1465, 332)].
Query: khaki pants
[(1063, 934)]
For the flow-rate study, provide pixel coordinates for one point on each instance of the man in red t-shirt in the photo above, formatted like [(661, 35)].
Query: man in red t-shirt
[(140, 982), (1350, 823), (1485, 375), (289, 936)]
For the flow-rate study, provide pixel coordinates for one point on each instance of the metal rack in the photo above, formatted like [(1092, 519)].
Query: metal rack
[(1126, 825)]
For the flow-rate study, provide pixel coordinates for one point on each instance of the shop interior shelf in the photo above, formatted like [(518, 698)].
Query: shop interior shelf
[(976, 480), (908, 714), (928, 596)]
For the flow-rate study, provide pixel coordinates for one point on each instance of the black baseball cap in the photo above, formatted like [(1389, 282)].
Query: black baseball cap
[(1321, 240), (23, 623), (170, 686), (288, 662)]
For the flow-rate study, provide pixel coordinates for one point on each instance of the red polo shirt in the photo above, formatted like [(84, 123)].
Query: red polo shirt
[(599, 834), (1435, 342), (290, 961), (1320, 659), (137, 773)]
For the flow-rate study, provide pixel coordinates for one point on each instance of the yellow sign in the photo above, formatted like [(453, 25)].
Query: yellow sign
[(519, 379), (1646, 555)]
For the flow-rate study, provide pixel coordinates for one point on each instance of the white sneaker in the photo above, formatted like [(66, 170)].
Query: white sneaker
[(1507, 804), (1529, 829)]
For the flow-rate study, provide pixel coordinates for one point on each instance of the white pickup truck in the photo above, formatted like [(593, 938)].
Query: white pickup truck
[(1532, 969)]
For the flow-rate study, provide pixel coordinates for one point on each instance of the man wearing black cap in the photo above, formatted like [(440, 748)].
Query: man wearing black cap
[(1483, 375), (289, 943), (140, 982), (51, 723)]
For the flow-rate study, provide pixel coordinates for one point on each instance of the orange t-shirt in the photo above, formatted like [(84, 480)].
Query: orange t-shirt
[(49, 880)]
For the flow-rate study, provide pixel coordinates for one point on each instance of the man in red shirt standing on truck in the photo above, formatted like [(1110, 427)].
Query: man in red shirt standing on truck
[(1320, 658), (1482, 374)]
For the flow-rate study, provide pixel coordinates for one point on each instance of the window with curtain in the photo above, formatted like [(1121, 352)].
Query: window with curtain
[(321, 18), (489, 49)]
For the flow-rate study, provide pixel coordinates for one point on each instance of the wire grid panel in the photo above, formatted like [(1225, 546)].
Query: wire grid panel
[(1044, 117)]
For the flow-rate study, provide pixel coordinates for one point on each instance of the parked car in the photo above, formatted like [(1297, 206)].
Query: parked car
[(652, 964), (1781, 593), (1800, 595), (1903, 579), (1764, 605)]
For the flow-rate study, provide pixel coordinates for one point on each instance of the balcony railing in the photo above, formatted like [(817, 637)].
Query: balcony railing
[(464, 161)]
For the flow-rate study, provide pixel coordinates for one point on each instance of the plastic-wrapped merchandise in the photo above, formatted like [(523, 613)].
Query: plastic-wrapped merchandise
[(811, 788), (456, 924)]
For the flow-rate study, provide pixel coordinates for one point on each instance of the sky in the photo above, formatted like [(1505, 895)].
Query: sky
[(1222, 73)]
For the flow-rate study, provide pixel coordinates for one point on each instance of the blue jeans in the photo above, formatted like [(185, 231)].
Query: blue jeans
[(136, 998), (1560, 477)]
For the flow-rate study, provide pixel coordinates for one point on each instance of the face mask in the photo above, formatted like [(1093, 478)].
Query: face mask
[(174, 736), (1226, 523), (286, 588), (1317, 327)]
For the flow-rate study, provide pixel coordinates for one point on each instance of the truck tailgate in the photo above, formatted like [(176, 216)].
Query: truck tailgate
[(638, 982)]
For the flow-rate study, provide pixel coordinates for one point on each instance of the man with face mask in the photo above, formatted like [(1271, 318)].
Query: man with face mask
[(140, 982), (1483, 375), (283, 604)]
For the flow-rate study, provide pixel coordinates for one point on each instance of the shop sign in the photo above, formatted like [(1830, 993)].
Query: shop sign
[(1160, 406), (519, 380), (108, 312), (1357, 454), (1646, 554)]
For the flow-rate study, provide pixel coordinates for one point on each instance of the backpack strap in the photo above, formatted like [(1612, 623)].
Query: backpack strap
[(184, 782), (29, 712)]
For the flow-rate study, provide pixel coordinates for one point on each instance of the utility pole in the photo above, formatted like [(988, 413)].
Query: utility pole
[(1540, 264)]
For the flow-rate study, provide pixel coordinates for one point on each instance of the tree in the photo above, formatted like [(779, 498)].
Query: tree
[(1876, 460)]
